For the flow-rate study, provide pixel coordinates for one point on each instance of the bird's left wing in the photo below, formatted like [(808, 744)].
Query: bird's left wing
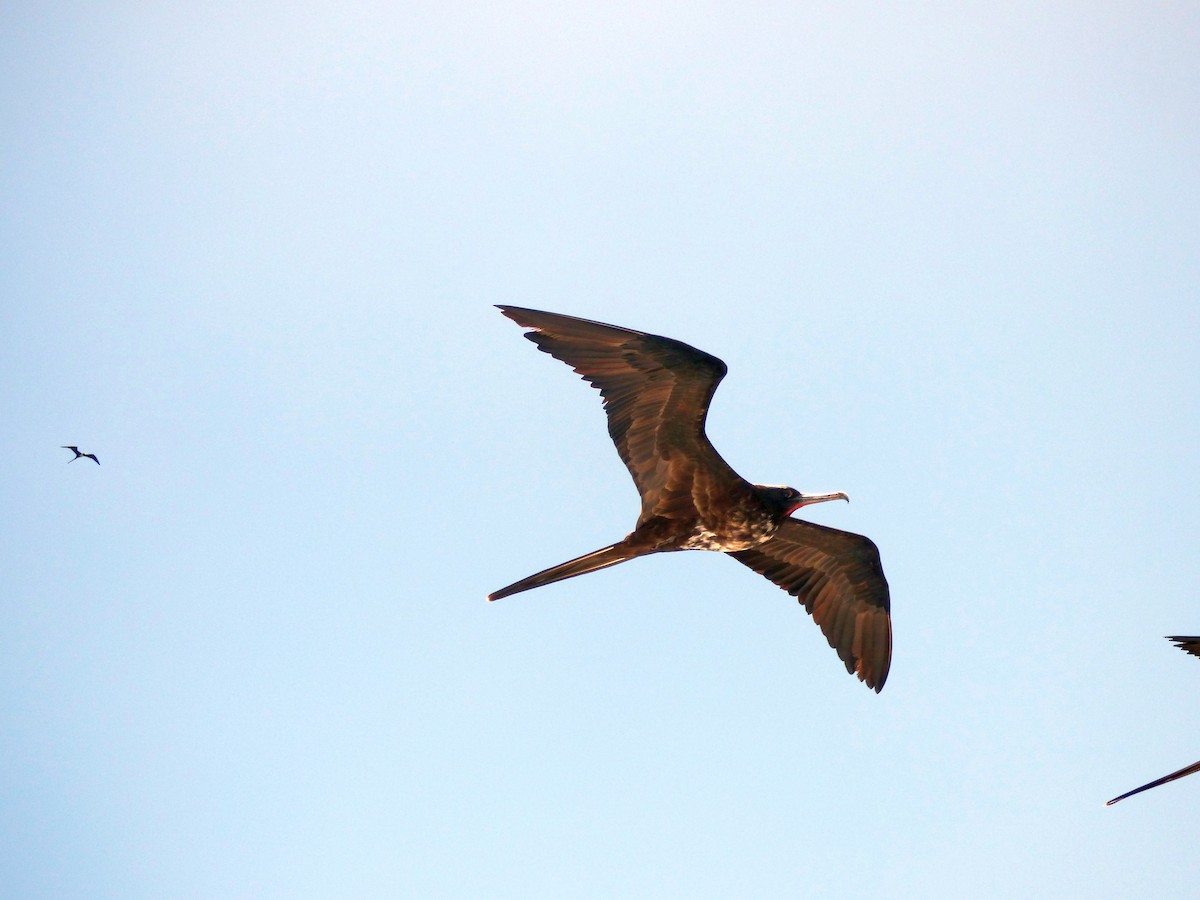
[(839, 579), (1187, 644), (656, 393)]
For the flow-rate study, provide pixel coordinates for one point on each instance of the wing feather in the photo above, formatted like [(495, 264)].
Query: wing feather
[(656, 393), (839, 579), (1187, 644)]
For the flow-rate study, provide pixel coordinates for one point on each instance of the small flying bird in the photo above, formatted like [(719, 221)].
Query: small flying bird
[(656, 393), (1188, 645), (91, 456)]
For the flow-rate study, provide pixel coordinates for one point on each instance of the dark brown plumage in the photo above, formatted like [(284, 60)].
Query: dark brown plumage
[(1188, 645), (656, 392), (75, 450)]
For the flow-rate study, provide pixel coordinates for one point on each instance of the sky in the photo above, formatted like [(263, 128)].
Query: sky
[(249, 254)]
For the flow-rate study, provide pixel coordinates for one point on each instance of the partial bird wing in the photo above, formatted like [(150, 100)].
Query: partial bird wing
[(1187, 644), (839, 579), (656, 393), (1186, 770), (92, 457), (69, 447)]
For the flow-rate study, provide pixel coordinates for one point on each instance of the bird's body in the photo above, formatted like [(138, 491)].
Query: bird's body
[(656, 392), (1188, 645), (76, 451)]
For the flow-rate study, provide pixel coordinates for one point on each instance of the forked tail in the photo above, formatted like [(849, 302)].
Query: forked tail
[(590, 562)]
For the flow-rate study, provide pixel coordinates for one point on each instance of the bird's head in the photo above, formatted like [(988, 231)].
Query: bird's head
[(787, 499)]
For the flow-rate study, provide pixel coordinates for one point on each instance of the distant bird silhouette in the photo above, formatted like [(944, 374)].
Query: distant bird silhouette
[(91, 456), (656, 392), (1189, 645)]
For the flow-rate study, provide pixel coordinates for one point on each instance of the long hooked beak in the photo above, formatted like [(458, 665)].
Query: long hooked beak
[(810, 499)]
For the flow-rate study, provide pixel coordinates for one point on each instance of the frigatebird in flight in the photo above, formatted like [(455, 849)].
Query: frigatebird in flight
[(656, 393), (1188, 645), (73, 448)]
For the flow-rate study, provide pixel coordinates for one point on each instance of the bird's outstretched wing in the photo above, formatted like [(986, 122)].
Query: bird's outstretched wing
[(656, 394), (1166, 779), (1187, 644), (839, 579)]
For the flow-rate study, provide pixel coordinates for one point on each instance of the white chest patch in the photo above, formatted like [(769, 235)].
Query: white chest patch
[(741, 535)]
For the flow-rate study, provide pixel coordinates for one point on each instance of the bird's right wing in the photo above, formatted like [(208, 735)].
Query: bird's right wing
[(1186, 770), (1188, 645), (656, 394), (839, 579)]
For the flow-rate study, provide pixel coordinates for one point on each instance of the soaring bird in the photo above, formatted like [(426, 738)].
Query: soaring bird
[(1188, 645), (656, 393), (72, 447)]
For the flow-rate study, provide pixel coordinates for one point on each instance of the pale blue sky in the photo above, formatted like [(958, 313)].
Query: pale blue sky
[(248, 256)]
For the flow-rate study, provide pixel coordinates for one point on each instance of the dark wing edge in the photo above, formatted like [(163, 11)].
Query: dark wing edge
[(1186, 644), (1166, 779), (838, 577), (656, 391)]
